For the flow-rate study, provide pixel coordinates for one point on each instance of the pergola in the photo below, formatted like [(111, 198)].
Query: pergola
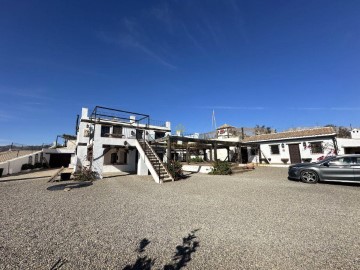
[(189, 144)]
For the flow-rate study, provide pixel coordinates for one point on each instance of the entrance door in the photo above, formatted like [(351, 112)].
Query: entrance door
[(294, 153), (244, 155), (58, 160)]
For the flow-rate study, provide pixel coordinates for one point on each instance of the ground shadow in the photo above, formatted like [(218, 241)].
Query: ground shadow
[(59, 263), (69, 186), (355, 184), (186, 175), (23, 178), (179, 260), (117, 175)]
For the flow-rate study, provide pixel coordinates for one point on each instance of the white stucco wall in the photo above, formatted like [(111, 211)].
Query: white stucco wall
[(98, 142), (14, 165), (305, 152)]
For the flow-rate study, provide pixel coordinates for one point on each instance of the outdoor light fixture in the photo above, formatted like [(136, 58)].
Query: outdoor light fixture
[(304, 144), (282, 145)]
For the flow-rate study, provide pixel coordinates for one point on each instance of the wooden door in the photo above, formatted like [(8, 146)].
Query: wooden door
[(294, 153)]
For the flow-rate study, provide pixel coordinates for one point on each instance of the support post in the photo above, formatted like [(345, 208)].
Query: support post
[(211, 152), (215, 151), (187, 153), (168, 154), (228, 153)]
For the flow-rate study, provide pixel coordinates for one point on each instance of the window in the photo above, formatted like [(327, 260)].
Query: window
[(117, 130), (30, 160), (253, 151), (105, 131), (341, 161), (159, 135), (316, 148), (275, 149), (37, 158)]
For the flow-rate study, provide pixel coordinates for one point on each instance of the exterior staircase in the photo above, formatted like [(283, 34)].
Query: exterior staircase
[(159, 167)]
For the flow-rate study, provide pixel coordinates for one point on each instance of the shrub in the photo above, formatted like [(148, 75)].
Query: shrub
[(85, 174), (38, 165), (196, 159), (175, 169), (221, 168), (25, 167)]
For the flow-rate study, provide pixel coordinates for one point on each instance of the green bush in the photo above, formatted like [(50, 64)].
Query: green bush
[(175, 169), (38, 165), (25, 167), (221, 168), (196, 159), (85, 174)]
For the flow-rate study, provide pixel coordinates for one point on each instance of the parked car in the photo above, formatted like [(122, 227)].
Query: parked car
[(345, 168)]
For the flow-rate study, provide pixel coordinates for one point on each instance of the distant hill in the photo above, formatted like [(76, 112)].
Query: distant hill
[(4, 148)]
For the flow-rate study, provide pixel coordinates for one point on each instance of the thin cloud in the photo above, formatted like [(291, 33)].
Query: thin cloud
[(192, 38), (28, 94), (327, 109), (229, 108), (134, 38)]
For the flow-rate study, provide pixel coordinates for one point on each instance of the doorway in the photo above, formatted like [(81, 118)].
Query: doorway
[(294, 151)]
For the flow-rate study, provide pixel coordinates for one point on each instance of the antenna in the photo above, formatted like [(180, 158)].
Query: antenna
[(213, 121)]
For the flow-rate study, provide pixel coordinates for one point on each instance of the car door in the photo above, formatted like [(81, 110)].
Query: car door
[(338, 169), (356, 168)]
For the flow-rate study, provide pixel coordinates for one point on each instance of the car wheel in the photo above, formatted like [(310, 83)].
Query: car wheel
[(310, 177)]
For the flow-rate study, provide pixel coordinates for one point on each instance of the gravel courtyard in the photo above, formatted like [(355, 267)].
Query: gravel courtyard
[(254, 220)]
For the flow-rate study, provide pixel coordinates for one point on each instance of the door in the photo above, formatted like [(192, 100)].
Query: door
[(139, 134), (338, 169), (58, 160), (356, 168), (244, 155), (294, 153)]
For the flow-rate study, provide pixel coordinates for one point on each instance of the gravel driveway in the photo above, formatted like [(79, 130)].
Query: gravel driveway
[(254, 220)]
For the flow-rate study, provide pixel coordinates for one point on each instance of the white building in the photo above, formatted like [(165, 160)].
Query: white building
[(110, 140), (294, 146), (352, 145)]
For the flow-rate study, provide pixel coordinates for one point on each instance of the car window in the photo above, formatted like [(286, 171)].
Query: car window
[(357, 160), (341, 161)]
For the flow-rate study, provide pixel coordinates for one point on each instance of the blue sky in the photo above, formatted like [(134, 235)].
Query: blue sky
[(276, 63)]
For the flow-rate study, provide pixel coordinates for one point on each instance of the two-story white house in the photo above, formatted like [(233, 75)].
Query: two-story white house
[(111, 140)]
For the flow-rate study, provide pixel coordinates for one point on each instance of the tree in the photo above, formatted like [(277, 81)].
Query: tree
[(262, 130), (341, 132)]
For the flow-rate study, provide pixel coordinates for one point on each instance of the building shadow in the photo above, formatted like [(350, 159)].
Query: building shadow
[(180, 259), (23, 178), (59, 187)]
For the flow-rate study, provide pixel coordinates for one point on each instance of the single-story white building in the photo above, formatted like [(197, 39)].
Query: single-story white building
[(294, 146)]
